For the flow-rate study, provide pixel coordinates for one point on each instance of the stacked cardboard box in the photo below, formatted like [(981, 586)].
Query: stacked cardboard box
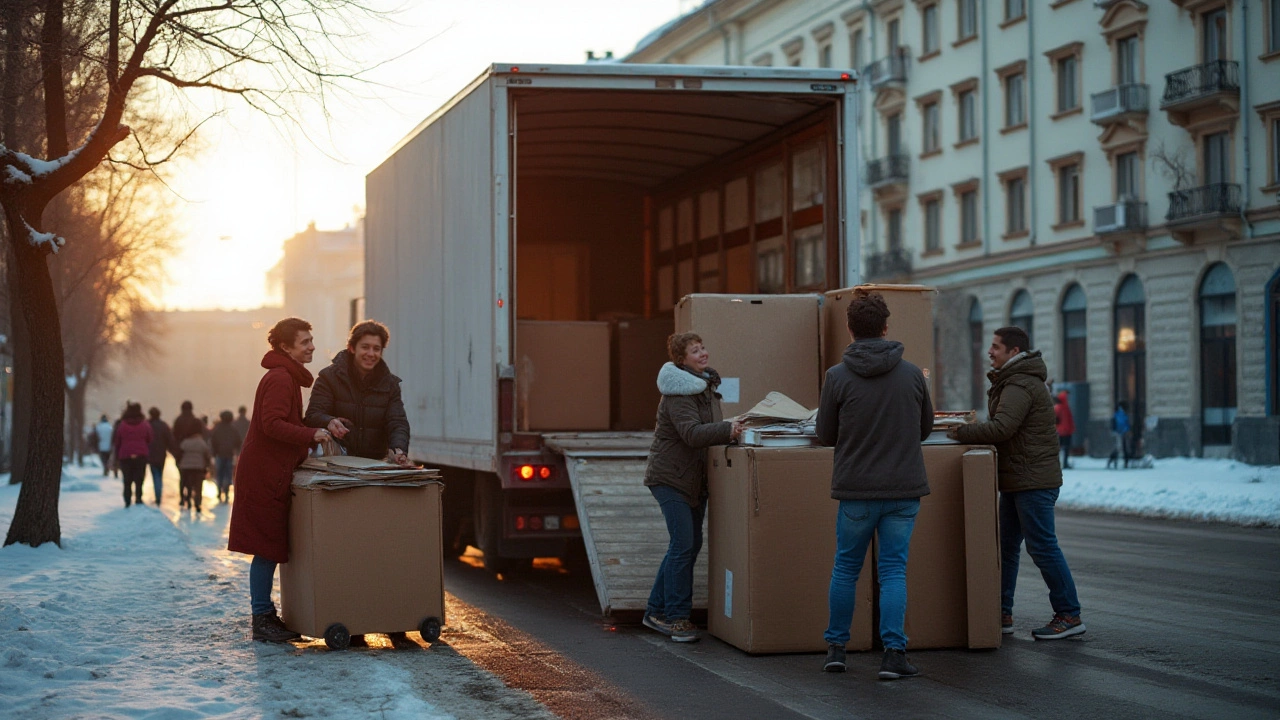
[(562, 375), (639, 350)]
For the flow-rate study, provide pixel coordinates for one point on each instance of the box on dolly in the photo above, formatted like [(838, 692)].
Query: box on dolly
[(364, 552)]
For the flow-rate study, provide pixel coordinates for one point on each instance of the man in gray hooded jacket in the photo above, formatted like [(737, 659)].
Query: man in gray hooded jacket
[(875, 410)]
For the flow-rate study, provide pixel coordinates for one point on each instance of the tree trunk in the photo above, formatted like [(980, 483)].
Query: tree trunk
[(20, 345), (35, 519)]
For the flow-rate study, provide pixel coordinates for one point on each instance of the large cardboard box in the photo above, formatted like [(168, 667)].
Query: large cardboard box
[(759, 344), (562, 375), (910, 323), (367, 557), (953, 566), (772, 542), (639, 350)]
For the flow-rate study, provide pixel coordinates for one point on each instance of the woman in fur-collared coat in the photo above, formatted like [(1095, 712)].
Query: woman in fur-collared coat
[(689, 421)]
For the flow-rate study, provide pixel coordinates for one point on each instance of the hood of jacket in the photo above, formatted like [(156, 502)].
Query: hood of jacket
[(277, 359), (675, 380), (134, 420), (869, 358), (1024, 363)]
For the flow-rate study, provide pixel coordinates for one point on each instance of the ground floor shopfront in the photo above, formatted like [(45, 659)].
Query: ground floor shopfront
[(1184, 335)]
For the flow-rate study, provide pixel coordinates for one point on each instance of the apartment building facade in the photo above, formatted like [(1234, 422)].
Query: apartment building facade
[(1105, 174)]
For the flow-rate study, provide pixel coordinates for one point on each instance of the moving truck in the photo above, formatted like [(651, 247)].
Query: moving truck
[(550, 215)]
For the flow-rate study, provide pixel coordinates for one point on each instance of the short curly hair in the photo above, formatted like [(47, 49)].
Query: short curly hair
[(678, 344), (867, 314), (369, 327), (286, 332)]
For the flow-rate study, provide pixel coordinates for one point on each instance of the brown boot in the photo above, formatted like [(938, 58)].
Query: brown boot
[(268, 627)]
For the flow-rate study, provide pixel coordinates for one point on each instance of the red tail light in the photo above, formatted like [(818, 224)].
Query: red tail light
[(521, 523), (525, 472), (528, 473), (535, 522)]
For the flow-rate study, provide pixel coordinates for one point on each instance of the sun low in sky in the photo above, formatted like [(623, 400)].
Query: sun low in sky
[(256, 183)]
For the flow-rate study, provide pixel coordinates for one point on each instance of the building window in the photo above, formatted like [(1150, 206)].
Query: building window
[(977, 357), (932, 133), (1217, 158), (1130, 360), (893, 229), (1014, 111), (1075, 335), (968, 112), (968, 19), (1128, 52), (1275, 153), (1217, 355), (1068, 83), (1214, 41), (893, 132), (893, 30), (1128, 177), (1022, 314), (933, 223), (1273, 26), (931, 32), (1014, 9), (855, 50), (824, 55), (1015, 202), (1068, 194), (968, 216)]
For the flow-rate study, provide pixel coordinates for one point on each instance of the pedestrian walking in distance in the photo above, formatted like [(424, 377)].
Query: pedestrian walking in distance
[(185, 422), (276, 444), (875, 410), (132, 444), (1022, 427), (1120, 430), (225, 446), (102, 432), (193, 468), (162, 444), (1065, 425), (689, 422), (241, 424)]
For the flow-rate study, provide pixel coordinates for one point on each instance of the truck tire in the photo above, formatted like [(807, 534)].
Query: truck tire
[(488, 522), (457, 527)]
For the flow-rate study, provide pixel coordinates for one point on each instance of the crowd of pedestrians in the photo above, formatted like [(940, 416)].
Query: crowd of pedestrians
[(133, 443)]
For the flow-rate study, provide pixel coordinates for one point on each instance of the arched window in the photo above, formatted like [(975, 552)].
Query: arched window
[(1131, 351), (1074, 335), (1217, 355), (1022, 314), (978, 357), (1273, 343)]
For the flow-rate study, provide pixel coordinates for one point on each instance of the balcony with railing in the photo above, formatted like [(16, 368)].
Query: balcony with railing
[(1205, 202), (1127, 216), (1211, 88), (888, 171), (1105, 4), (887, 71), (894, 263), (1120, 104)]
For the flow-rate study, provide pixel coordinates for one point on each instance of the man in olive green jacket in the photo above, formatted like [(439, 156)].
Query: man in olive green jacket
[(1021, 426)]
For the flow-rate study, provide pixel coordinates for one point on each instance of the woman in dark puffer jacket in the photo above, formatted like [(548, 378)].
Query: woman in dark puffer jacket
[(689, 421)]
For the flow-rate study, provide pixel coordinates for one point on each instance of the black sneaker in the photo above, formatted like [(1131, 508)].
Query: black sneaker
[(1006, 624), (657, 623), (835, 659), (895, 665), (1059, 627), (269, 628)]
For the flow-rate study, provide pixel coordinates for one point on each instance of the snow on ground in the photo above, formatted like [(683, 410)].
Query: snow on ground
[(1185, 488), (143, 614)]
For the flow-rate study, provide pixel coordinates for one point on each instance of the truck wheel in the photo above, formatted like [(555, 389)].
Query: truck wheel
[(457, 529), (488, 522), (337, 637), (430, 629)]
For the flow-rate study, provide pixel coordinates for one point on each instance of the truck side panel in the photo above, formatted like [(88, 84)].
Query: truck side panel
[(430, 276)]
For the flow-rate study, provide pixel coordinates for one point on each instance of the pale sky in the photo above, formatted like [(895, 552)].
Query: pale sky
[(254, 187)]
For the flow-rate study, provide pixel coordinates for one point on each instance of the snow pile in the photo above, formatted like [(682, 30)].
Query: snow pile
[(1185, 488), (141, 613)]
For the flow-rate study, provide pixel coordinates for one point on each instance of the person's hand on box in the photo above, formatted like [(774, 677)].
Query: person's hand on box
[(736, 433), (954, 433), (399, 457), (338, 427)]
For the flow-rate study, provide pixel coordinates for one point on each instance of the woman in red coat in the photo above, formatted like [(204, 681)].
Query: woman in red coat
[(1066, 425), (277, 442)]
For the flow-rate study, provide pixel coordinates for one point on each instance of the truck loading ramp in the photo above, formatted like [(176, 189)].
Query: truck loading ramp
[(622, 526)]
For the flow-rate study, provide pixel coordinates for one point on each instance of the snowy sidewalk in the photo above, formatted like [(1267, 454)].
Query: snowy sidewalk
[(1183, 488), (139, 617)]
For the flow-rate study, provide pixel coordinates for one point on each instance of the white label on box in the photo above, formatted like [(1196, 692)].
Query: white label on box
[(730, 391), (728, 593)]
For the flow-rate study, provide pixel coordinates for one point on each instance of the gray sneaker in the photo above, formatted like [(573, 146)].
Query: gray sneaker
[(684, 631), (895, 665), (657, 623), (835, 659)]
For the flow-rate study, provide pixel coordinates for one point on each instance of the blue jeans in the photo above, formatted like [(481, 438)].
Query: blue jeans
[(856, 521), (223, 467), (1028, 515), (672, 594), (157, 479), (262, 573)]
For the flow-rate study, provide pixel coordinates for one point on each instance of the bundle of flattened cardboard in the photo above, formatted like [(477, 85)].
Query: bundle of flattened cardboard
[(343, 471), (778, 420)]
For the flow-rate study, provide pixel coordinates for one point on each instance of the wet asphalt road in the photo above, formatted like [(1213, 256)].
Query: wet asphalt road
[(1184, 621)]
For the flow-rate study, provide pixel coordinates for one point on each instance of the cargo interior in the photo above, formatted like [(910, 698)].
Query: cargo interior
[(588, 165)]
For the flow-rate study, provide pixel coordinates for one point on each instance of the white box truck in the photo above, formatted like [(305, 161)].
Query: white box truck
[(548, 215)]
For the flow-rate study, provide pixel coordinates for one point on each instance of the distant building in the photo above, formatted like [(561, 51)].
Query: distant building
[(321, 272), (1104, 173)]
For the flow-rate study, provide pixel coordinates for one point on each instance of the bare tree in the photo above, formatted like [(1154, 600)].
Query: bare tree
[(1173, 164), (271, 54)]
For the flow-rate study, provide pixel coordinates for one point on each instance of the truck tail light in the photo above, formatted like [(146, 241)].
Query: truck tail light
[(528, 473), (521, 522), (535, 522), (569, 522)]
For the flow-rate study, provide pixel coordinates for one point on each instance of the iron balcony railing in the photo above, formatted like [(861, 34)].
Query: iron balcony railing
[(1119, 217), (894, 262), (888, 169), (1104, 4), (1218, 76), (1124, 99), (1215, 199), (892, 69)]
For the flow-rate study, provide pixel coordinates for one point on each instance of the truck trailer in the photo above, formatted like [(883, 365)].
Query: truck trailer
[(527, 244)]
